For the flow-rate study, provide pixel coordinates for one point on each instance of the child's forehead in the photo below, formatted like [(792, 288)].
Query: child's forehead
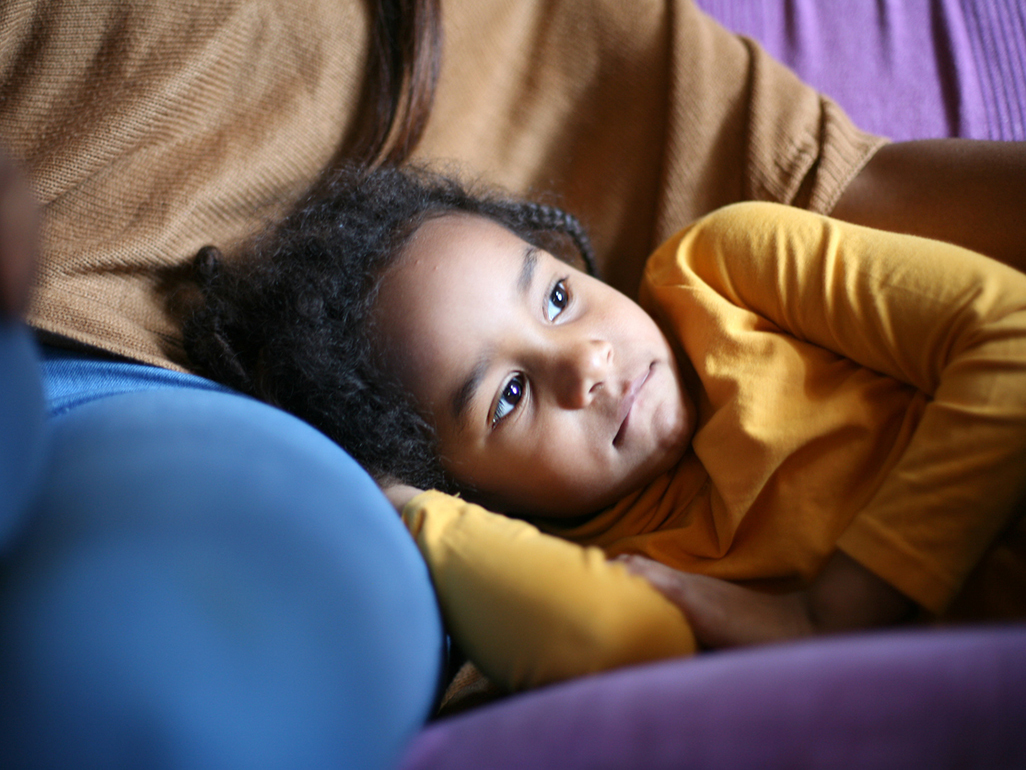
[(456, 270), (456, 248), (454, 229)]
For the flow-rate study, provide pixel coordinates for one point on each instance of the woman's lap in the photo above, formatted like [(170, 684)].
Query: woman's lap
[(204, 580)]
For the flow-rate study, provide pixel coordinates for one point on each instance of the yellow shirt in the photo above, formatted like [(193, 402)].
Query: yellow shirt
[(858, 390)]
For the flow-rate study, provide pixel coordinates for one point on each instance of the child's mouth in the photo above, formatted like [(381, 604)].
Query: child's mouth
[(627, 403)]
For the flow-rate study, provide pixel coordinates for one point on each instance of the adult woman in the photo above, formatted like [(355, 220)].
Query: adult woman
[(148, 131)]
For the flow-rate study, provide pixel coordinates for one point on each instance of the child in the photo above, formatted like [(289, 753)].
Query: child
[(836, 416)]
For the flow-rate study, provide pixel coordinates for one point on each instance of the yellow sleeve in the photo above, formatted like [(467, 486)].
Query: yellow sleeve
[(945, 320), (529, 608)]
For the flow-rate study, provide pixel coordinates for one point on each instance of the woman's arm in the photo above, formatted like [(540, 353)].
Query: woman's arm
[(970, 193), (844, 597)]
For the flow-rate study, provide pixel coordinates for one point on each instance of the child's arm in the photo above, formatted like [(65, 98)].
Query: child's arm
[(945, 320), (530, 609), (845, 596)]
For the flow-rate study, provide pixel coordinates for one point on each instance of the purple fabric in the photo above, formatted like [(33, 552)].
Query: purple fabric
[(897, 700), (907, 69), (997, 36)]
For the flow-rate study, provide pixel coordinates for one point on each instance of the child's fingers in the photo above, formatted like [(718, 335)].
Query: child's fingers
[(666, 580), (641, 565)]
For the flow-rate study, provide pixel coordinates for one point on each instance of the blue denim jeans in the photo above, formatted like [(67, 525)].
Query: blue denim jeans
[(191, 578), (72, 378)]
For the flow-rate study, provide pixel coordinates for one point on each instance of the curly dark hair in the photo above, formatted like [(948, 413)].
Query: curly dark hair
[(287, 320)]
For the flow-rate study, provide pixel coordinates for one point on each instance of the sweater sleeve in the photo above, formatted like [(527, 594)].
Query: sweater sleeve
[(945, 320), (529, 608)]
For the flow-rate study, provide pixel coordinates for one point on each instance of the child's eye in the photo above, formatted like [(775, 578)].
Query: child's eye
[(511, 394), (558, 299)]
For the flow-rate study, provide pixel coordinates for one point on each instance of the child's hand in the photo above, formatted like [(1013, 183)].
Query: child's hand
[(724, 614), (400, 494), (19, 221), (844, 597)]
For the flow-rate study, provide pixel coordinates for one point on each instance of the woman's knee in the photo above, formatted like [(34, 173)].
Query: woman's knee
[(207, 575)]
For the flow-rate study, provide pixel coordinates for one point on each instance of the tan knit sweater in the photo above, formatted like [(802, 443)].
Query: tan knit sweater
[(152, 128)]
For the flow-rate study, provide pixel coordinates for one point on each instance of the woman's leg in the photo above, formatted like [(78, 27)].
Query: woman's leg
[(205, 581)]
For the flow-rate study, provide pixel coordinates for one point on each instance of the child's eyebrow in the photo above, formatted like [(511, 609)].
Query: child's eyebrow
[(527, 270), (464, 394)]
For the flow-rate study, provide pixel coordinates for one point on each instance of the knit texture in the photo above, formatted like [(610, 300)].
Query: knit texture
[(150, 129)]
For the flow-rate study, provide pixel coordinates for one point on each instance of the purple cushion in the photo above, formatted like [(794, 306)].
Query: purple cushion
[(890, 700), (907, 69)]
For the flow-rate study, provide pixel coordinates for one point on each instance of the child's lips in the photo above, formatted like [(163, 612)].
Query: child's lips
[(627, 403)]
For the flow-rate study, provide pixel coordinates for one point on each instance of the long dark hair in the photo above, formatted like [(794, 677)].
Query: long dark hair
[(403, 64), (288, 318)]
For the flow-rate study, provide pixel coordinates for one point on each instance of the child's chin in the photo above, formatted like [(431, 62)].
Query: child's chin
[(674, 437), (572, 502), (570, 509)]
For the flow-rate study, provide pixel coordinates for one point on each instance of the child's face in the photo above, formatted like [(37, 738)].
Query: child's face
[(552, 393)]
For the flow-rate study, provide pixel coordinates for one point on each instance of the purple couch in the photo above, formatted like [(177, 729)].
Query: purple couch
[(906, 69)]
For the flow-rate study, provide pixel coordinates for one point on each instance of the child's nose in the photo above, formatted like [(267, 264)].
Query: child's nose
[(582, 370)]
